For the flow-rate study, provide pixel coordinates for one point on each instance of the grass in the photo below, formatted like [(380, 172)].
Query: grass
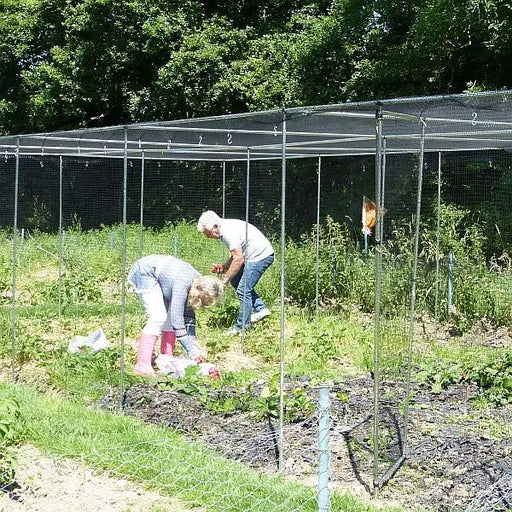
[(159, 458)]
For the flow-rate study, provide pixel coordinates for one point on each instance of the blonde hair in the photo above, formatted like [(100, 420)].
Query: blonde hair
[(205, 290), (208, 220)]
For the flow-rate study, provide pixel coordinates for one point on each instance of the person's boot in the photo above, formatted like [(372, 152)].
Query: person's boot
[(145, 351), (167, 342)]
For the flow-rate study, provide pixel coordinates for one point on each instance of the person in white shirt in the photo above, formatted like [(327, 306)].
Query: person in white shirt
[(250, 255)]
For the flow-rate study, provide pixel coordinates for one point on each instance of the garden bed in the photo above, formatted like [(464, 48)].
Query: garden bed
[(454, 453)]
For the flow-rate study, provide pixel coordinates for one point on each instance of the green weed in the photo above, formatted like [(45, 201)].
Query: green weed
[(10, 412)]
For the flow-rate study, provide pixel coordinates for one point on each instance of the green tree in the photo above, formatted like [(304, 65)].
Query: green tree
[(198, 78), (86, 63)]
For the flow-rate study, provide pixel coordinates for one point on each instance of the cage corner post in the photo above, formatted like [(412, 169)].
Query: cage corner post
[(379, 145)]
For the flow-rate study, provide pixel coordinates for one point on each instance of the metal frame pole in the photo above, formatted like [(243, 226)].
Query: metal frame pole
[(414, 281), (438, 237), (246, 321), (123, 269), (223, 250), (282, 325), (61, 234), (378, 286), (223, 189), (14, 261), (317, 269), (141, 214)]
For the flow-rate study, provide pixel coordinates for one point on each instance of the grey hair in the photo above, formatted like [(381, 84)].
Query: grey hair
[(208, 220), (205, 290)]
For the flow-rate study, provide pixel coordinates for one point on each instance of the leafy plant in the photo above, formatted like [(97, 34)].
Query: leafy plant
[(223, 315), (492, 375), (440, 374), (260, 401), (10, 413), (85, 374), (74, 286)]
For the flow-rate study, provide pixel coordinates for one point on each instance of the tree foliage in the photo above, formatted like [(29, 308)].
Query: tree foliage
[(71, 63)]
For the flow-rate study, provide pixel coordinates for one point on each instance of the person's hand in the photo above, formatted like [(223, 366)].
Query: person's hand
[(198, 353), (217, 268)]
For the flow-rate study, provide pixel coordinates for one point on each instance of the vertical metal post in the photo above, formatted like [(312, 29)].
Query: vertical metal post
[(450, 281), (223, 189), (324, 452), (438, 237), (141, 214), (14, 262), (283, 250), (61, 241), (123, 268), (412, 318), (378, 286), (222, 246), (246, 321), (365, 233), (317, 269)]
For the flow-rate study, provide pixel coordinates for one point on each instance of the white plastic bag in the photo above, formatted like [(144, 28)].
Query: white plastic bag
[(95, 341), (173, 365)]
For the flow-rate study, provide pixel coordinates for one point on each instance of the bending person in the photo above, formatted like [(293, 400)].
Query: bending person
[(250, 255), (170, 290)]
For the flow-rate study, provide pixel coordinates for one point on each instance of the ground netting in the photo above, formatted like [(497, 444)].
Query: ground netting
[(498, 497)]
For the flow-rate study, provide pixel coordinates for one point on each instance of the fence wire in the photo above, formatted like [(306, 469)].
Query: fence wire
[(496, 498), (235, 459)]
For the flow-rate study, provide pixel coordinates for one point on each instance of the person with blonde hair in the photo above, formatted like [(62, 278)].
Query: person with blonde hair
[(171, 290), (250, 255)]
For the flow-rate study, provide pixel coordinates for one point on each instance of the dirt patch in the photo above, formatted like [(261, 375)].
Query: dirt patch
[(55, 484)]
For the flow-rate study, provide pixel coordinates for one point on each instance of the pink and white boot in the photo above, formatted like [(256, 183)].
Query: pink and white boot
[(145, 351), (167, 343)]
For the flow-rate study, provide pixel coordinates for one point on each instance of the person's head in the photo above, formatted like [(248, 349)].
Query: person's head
[(205, 290), (209, 224)]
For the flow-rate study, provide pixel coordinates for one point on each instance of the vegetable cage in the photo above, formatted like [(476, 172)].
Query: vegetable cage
[(436, 172)]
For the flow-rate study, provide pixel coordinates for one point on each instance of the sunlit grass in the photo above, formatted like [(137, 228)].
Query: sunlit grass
[(160, 459)]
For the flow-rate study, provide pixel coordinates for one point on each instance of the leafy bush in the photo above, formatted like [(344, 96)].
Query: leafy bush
[(74, 287), (343, 273), (223, 314)]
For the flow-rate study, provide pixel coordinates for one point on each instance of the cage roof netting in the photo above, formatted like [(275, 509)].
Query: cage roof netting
[(462, 122)]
